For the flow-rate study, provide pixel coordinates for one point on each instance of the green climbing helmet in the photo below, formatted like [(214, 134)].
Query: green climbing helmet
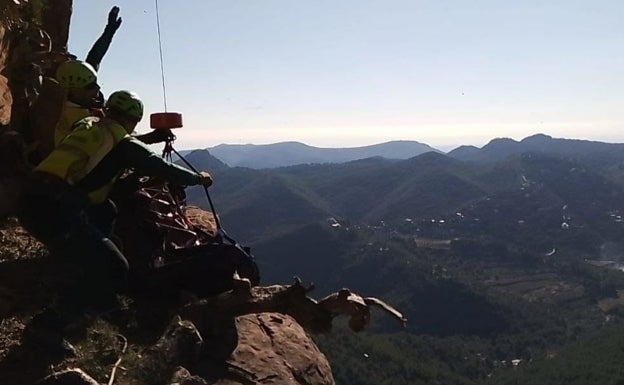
[(75, 74), (126, 102)]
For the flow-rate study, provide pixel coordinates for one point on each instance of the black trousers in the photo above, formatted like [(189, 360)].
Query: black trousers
[(55, 213), (102, 216)]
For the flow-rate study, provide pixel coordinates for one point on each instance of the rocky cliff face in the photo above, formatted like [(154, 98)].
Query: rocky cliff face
[(259, 348), (6, 101), (238, 337), (31, 32)]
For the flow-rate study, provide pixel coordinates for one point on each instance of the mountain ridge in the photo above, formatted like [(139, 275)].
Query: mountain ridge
[(291, 153), (501, 148)]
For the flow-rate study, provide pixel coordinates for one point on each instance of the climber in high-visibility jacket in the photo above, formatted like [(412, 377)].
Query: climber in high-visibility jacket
[(79, 80), (62, 99), (56, 197), (83, 99), (74, 94)]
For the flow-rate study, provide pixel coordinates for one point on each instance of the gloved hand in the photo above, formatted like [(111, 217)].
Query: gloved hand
[(114, 21), (206, 179), (156, 136)]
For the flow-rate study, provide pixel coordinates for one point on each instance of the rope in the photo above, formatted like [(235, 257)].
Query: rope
[(123, 351), (162, 67), (214, 212)]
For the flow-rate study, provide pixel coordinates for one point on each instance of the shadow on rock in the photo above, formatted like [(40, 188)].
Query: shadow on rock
[(27, 285)]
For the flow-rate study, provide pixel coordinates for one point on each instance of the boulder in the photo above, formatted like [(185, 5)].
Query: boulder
[(179, 345), (183, 377), (268, 348)]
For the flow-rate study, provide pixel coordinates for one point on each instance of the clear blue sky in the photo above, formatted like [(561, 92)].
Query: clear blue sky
[(334, 73)]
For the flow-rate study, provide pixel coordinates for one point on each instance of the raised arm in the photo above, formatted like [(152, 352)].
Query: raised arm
[(100, 47)]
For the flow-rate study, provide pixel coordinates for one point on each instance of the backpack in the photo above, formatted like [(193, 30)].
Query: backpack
[(170, 245)]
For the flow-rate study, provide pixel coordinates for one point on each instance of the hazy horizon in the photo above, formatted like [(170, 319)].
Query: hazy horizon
[(444, 149), (358, 72)]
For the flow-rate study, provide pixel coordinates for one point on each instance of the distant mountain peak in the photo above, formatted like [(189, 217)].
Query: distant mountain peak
[(497, 141), (430, 159), (466, 147), (536, 138), (205, 158), (432, 155)]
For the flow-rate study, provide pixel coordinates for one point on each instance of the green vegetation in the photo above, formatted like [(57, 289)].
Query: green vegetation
[(467, 313), (594, 359)]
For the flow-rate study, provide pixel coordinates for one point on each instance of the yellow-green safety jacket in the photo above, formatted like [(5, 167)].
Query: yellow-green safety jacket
[(70, 114), (81, 150), (98, 150)]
